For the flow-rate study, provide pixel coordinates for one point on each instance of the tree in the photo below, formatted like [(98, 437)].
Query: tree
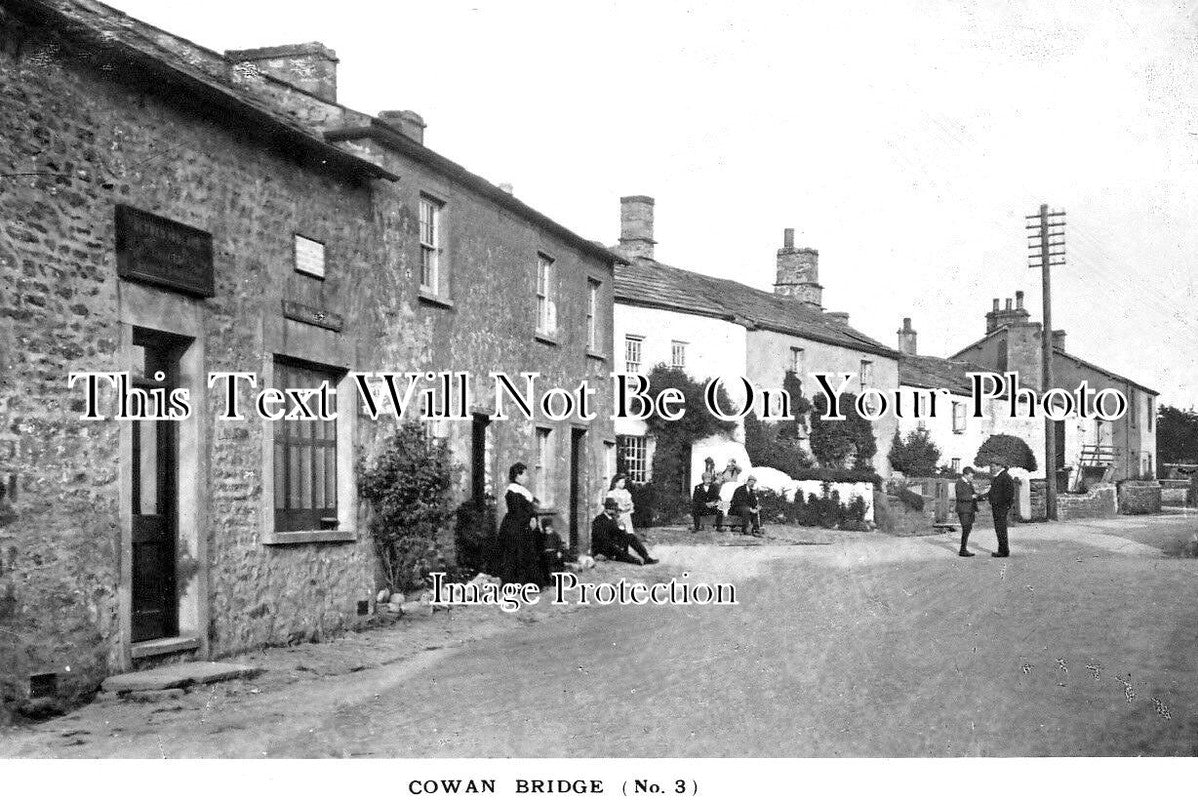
[(673, 438), (836, 442), (915, 455), (1007, 449), (1177, 436), (779, 444), (408, 486)]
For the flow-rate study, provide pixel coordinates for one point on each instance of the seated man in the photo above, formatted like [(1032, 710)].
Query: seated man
[(706, 503), (610, 540), (746, 506)]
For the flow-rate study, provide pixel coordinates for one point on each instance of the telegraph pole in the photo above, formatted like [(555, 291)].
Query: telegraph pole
[(1047, 250)]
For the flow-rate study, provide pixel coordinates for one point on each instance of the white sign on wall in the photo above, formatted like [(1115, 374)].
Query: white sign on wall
[(309, 257)]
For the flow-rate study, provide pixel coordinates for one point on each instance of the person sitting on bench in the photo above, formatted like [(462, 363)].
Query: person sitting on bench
[(746, 508), (706, 503)]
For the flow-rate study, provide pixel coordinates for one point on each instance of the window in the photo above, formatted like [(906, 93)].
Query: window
[(958, 417), (956, 465), (678, 355), (593, 315), (543, 477), (431, 212), (1151, 410), (609, 462), (546, 311), (632, 353), (798, 361), (867, 373), (305, 459), (631, 454), (309, 257)]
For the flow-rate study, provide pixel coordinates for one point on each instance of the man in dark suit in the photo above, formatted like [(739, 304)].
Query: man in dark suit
[(610, 540), (967, 507), (1001, 497), (706, 501), (746, 506)]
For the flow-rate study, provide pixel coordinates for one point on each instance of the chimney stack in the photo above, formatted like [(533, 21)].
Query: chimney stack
[(1058, 339), (906, 338), (798, 272), (309, 66), (636, 226), (1009, 315), (409, 123)]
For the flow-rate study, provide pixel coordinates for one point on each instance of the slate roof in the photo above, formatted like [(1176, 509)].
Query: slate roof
[(930, 372), (645, 282)]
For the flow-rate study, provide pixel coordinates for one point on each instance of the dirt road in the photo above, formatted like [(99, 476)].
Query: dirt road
[(1083, 643)]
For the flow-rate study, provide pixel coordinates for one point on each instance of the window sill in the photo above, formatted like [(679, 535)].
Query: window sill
[(434, 300), (596, 356), (308, 537), (162, 647), (545, 338)]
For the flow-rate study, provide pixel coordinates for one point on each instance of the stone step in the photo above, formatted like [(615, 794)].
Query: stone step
[(177, 676)]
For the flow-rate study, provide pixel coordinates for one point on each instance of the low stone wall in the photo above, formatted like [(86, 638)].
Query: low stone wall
[(1139, 497), (1176, 492), (1099, 501)]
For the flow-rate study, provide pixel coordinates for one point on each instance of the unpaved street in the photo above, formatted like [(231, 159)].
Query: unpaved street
[(1083, 643)]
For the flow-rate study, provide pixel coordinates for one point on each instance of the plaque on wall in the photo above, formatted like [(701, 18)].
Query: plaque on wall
[(309, 315), (159, 251)]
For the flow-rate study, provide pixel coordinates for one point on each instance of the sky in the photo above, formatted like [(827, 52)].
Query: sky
[(906, 140)]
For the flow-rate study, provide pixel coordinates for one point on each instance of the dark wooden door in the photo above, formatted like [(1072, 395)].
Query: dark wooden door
[(577, 450), (478, 459), (154, 519)]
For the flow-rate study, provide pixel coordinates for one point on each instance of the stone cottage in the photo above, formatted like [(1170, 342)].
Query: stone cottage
[(168, 212)]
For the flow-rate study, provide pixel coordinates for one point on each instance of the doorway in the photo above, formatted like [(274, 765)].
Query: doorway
[(577, 459), (155, 465), (480, 473)]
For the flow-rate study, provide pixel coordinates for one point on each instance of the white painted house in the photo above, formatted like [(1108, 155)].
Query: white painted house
[(714, 327)]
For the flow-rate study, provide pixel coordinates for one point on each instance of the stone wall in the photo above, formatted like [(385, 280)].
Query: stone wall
[(1099, 501), (1139, 497)]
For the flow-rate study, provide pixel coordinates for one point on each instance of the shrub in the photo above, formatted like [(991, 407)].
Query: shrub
[(1010, 450), (823, 510), (842, 443), (915, 454), (838, 475), (644, 504), (768, 446), (408, 487), (475, 537)]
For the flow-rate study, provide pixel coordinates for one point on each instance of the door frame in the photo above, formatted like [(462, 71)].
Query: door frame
[(182, 318)]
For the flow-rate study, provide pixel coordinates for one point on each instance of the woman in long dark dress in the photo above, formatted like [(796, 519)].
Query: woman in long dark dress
[(519, 551)]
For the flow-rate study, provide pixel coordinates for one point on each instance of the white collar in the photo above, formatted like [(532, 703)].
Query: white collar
[(518, 489)]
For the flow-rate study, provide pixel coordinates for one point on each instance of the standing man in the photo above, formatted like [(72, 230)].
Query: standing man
[(706, 501), (1001, 497), (610, 540), (967, 507), (746, 506)]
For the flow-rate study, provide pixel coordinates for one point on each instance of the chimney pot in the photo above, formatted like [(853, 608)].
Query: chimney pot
[(907, 338), (309, 66), (788, 238), (409, 123), (1008, 306), (636, 226)]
